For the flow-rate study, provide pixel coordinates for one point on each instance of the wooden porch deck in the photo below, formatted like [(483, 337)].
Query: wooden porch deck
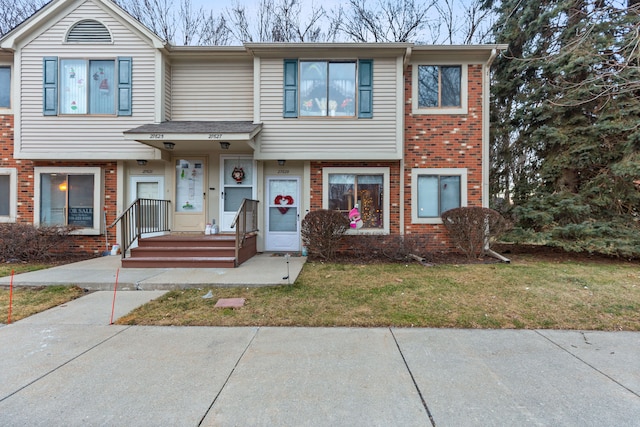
[(190, 251)]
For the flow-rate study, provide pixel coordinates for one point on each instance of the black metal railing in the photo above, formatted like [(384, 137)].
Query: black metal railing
[(245, 222), (142, 216)]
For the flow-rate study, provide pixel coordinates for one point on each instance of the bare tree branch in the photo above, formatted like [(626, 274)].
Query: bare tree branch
[(14, 12)]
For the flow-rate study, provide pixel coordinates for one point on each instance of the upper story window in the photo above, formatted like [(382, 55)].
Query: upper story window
[(328, 88), (81, 86), (440, 89), (5, 87), (88, 31), (87, 87)]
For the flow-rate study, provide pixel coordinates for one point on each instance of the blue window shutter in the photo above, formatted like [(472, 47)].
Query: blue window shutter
[(124, 86), (365, 88), (290, 101), (50, 86)]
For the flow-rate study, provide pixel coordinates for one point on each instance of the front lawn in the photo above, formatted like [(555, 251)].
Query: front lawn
[(529, 293)]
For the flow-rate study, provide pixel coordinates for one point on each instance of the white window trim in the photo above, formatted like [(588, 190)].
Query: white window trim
[(385, 172), (464, 91), (97, 195), (13, 195), (416, 172), (8, 110)]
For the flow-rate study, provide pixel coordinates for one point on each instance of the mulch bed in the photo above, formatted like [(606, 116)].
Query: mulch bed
[(508, 250)]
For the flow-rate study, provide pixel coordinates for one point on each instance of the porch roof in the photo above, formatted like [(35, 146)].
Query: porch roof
[(190, 135)]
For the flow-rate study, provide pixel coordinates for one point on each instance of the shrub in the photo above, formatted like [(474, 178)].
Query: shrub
[(25, 242), (322, 231), (472, 228)]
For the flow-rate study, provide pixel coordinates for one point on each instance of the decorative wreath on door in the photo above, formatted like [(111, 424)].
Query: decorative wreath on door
[(237, 174), (282, 201)]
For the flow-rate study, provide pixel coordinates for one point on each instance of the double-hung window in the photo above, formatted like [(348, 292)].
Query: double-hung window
[(69, 196), (8, 196), (435, 191), (440, 89), (368, 188), (87, 86), (5, 87), (315, 88)]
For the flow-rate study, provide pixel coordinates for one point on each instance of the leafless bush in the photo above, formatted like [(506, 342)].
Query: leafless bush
[(472, 228), (25, 242), (322, 231)]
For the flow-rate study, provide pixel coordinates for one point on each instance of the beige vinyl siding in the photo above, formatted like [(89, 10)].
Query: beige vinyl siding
[(84, 136), (219, 89), (332, 138)]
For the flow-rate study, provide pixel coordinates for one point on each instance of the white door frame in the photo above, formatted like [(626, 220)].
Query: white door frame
[(278, 241), (226, 217), (134, 180), (185, 220)]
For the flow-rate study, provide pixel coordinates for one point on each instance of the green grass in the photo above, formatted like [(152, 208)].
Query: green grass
[(526, 294), (29, 301), (17, 268)]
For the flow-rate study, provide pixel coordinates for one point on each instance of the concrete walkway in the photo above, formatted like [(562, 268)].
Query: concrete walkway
[(100, 274), (68, 367)]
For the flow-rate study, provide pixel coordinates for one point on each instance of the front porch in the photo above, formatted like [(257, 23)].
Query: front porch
[(144, 246), (190, 251)]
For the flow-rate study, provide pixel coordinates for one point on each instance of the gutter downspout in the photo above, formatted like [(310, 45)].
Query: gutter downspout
[(401, 95), (486, 105), (486, 135)]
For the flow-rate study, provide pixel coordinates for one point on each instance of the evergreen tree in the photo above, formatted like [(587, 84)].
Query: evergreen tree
[(566, 109)]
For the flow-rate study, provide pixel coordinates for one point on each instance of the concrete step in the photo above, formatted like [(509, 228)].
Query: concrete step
[(182, 252), (183, 262)]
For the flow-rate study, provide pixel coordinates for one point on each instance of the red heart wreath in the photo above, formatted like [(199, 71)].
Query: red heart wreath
[(283, 200)]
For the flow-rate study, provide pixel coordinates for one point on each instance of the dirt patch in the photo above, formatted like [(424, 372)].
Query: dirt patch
[(550, 253), (513, 252)]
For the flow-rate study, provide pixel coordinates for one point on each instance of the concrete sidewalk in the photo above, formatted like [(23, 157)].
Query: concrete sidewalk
[(100, 274), (69, 367)]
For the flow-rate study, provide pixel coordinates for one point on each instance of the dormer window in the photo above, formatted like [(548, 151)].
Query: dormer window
[(88, 31)]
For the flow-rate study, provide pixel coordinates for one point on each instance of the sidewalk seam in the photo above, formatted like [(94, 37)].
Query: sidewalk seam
[(415, 383), (587, 363), (226, 381), (63, 364)]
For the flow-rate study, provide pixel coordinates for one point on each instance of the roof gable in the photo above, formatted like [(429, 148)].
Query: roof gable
[(52, 12)]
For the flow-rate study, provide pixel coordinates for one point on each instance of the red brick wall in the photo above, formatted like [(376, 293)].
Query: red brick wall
[(25, 182), (443, 141)]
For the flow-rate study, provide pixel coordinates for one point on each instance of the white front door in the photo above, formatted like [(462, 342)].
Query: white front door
[(146, 187), (189, 213), (237, 175), (283, 214)]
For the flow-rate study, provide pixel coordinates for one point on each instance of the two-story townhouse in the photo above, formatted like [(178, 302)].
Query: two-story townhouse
[(102, 112)]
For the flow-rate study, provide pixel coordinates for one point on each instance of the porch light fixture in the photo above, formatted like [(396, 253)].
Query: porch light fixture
[(224, 145), (141, 162), (169, 145), (281, 162)]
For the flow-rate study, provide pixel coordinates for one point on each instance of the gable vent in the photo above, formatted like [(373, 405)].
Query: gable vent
[(89, 31)]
